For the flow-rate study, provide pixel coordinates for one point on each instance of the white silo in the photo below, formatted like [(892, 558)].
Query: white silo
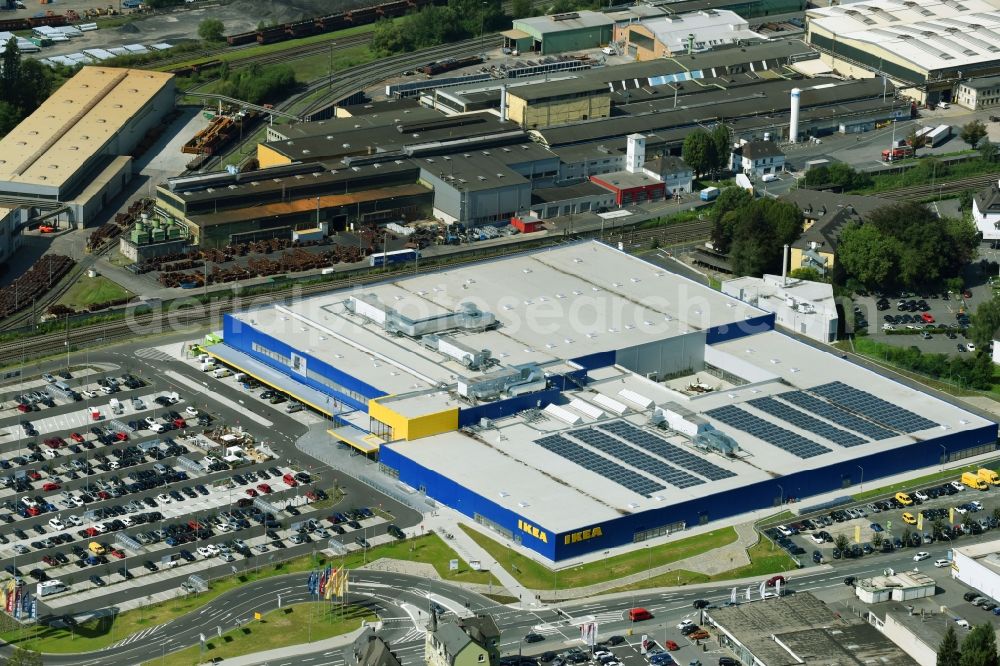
[(793, 123)]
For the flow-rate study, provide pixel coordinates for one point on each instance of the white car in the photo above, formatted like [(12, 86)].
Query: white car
[(164, 498), (261, 548), (150, 420), (56, 524), (126, 521), (226, 557), (957, 485), (816, 538), (922, 555), (921, 495), (88, 394), (784, 531), (204, 551), (971, 346), (942, 563), (191, 410), (685, 622), (961, 509), (101, 527), (76, 501), (976, 506), (212, 548), (75, 521)]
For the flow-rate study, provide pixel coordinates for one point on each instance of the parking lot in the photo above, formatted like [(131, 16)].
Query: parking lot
[(945, 330), (113, 484), (687, 647), (940, 512)]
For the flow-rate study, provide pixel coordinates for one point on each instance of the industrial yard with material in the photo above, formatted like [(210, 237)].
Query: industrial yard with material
[(578, 399)]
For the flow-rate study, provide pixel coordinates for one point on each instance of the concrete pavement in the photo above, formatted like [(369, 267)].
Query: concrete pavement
[(293, 653)]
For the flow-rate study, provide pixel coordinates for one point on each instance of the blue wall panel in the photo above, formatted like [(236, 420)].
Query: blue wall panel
[(241, 335), (596, 360), (453, 494), (501, 408), (714, 507), (740, 329)]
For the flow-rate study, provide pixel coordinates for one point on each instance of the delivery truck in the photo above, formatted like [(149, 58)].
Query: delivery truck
[(989, 476), (972, 480), (709, 194)]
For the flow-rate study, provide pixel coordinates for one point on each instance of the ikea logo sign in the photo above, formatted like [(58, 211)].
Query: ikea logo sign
[(582, 535), (534, 531)]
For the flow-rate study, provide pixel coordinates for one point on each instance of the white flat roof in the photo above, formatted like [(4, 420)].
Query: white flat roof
[(505, 464), (932, 35), (552, 306)]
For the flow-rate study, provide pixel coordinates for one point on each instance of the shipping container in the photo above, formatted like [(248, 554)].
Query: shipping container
[(394, 257), (709, 194), (939, 135)]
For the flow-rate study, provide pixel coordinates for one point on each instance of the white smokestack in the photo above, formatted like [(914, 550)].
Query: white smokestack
[(503, 103), (784, 267), (793, 123), (635, 156)]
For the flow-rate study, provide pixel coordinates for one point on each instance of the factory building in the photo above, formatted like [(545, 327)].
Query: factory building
[(926, 49), (805, 307), (558, 103), (748, 9), (10, 231), (74, 152), (975, 94), (558, 33), (578, 398), (696, 32)]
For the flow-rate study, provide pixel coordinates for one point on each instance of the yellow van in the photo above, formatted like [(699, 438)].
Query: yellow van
[(973, 480), (904, 499), (909, 519), (96, 548), (989, 476)]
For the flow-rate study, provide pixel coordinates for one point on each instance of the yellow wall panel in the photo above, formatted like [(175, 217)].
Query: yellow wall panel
[(268, 157)]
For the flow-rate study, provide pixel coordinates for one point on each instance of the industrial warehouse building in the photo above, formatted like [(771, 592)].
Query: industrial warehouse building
[(558, 33), (579, 398), (686, 33), (73, 152), (978, 566), (926, 48)]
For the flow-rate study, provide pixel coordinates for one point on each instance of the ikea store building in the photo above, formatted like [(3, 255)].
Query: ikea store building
[(579, 398)]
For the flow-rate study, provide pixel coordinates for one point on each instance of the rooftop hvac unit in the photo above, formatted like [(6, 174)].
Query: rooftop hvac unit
[(610, 404), (586, 408), (564, 415), (636, 398)]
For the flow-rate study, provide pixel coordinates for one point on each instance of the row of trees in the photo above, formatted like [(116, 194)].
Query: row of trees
[(24, 85), (978, 648), (970, 371), (433, 25), (905, 245), (753, 231), (707, 152)]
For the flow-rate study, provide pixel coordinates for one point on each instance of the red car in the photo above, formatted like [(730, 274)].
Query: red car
[(927, 317), (54, 442), (92, 531), (312, 496), (671, 645), (51, 561), (179, 423), (121, 437), (34, 475), (33, 511), (51, 486), (23, 408), (251, 492), (76, 437), (118, 554), (264, 488), (103, 494), (46, 229)]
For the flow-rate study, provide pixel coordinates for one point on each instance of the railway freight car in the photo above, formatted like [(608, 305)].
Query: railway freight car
[(330, 22)]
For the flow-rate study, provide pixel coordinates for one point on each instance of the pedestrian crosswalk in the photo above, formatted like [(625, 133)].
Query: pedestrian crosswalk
[(145, 633), (153, 354)]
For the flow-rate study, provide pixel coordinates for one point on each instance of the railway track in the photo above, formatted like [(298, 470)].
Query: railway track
[(919, 192), (673, 234)]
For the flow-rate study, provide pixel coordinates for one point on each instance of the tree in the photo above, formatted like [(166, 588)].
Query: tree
[(841, 543), (973, 132), (699, 152), (979, 647), (866, 254), (723, 147), (948, 653), (967, 521), (22, 657), (915, 140), (985, 322), (10, 72), (937, 527), (211, 30), (877, 540), (906, 536), (988, 151), (807, 273), (520, 8)]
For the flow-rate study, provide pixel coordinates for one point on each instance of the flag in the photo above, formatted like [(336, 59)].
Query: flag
[(201, 638), (732, 596), (763, 586), (341, 591), (331, 584), (17, 603), (321, 590), (34, 608), (777, 586), (11, 588), (311, 585)]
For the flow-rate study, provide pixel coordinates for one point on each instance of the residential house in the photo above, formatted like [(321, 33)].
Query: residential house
[(369, 649), (758, 158), (677, 176), (471, 641), (986, 212)]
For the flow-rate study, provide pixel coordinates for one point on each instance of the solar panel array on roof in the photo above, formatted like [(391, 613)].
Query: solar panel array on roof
[(874, 408), (768, 432), (657, 445), (806, 422), (610, 470), (832, 412), (643, 461)]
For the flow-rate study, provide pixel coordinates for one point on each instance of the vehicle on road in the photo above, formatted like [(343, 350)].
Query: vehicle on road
[(639, 614), (921, 556)]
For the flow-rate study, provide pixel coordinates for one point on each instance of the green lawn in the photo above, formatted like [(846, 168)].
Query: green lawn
[(765, 559), (101, 633), (922, 480), (272, 48), (537, 576), (87, 291), (300, 623)]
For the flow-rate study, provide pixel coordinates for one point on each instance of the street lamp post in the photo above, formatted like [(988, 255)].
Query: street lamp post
[(861, 485)]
